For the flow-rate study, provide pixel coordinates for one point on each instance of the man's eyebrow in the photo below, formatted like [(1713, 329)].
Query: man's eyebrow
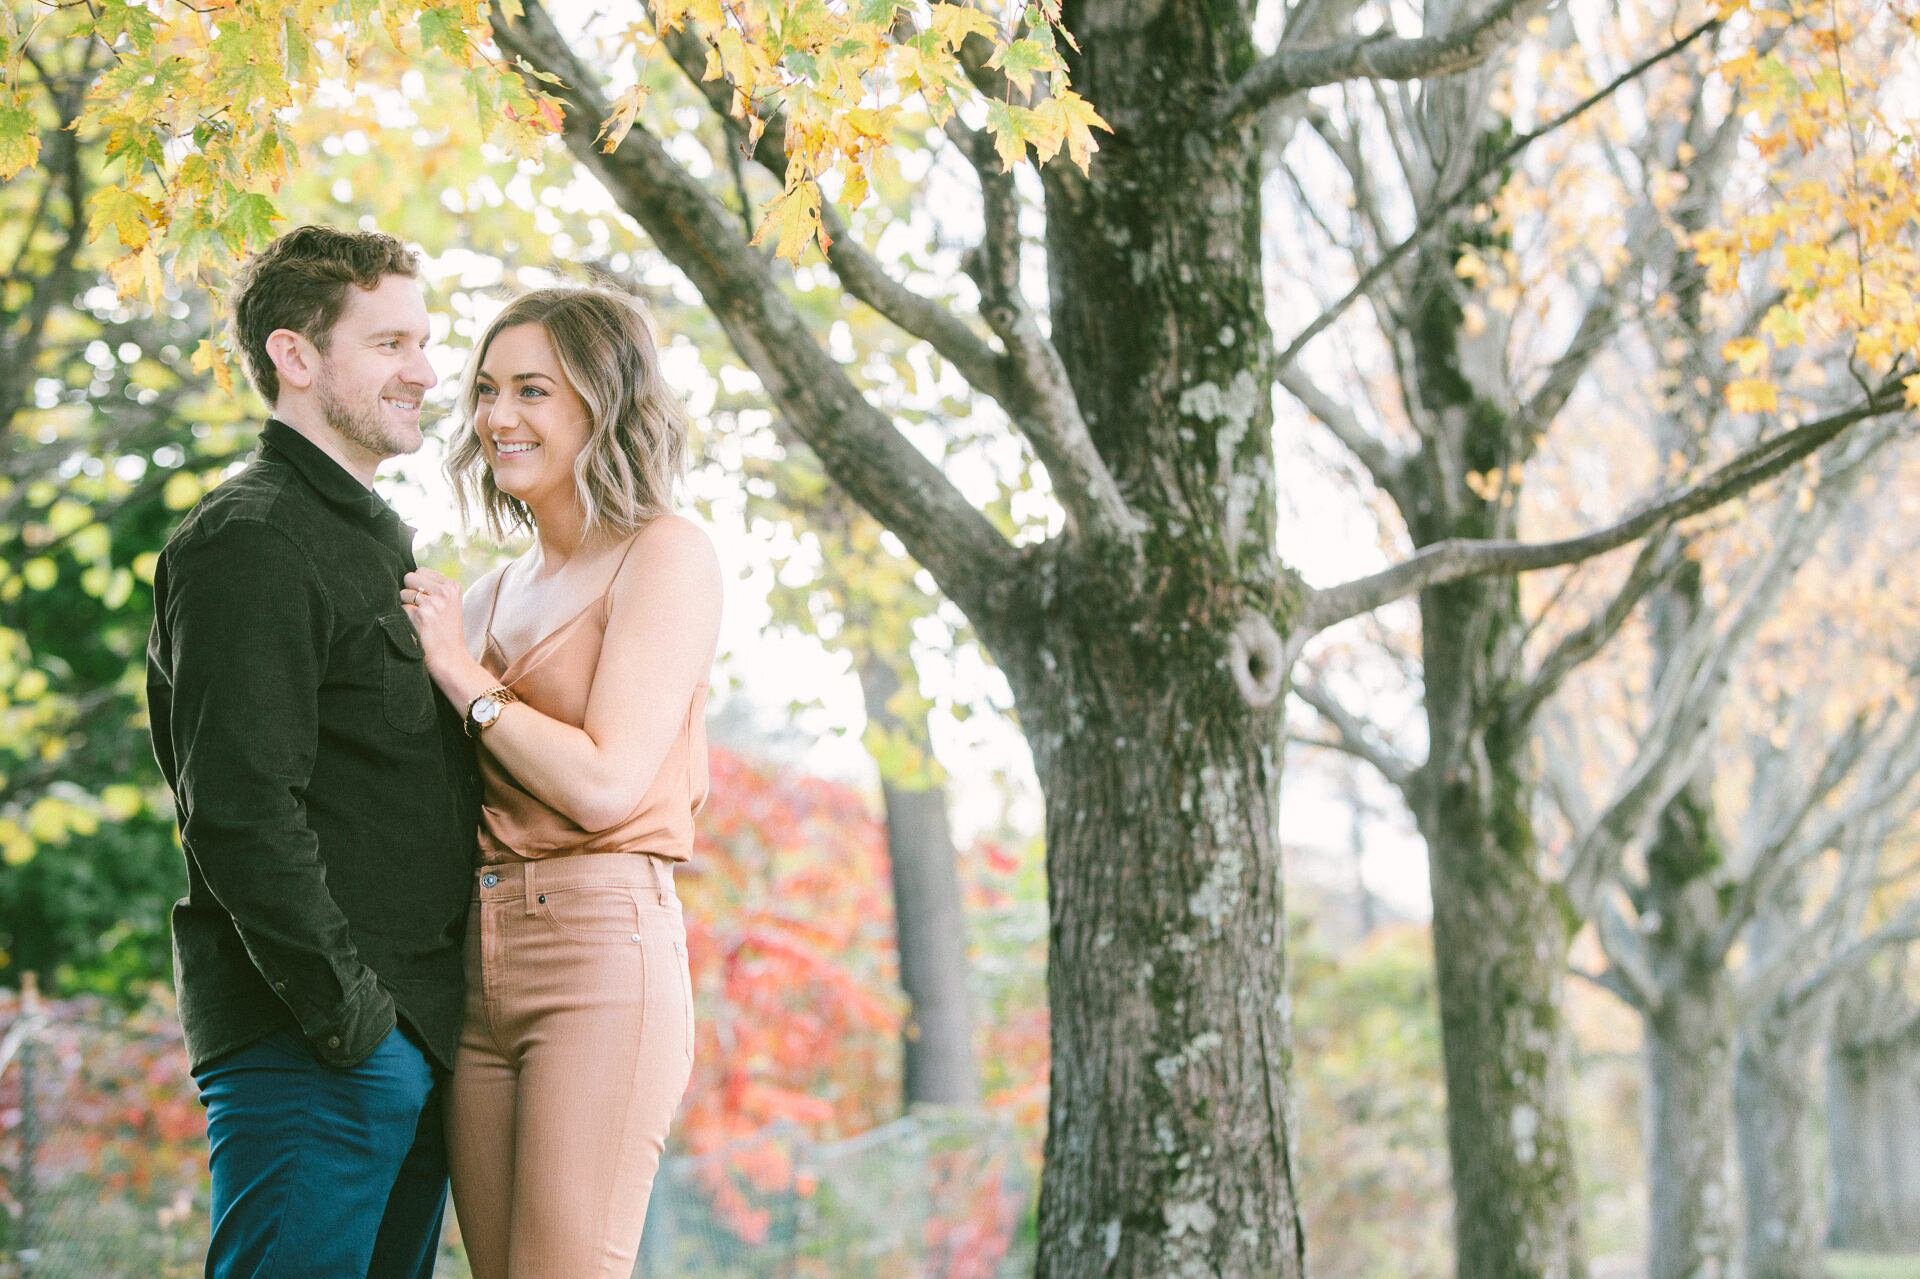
[(397, 333)]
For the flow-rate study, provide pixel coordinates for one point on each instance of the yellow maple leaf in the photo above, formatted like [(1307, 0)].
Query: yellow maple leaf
[(209, 358), (1752, 395), (953, 23), (1068, 115), (130, 215), (1912, 387), (794, 215), (1750, 354)]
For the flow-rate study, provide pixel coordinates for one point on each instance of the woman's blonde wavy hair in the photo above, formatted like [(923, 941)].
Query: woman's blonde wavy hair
[(636, 448)]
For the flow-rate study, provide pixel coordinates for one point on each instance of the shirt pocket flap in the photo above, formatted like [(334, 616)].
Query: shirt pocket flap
[(400, 634)]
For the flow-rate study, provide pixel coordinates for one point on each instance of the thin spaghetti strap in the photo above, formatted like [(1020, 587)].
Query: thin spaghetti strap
[(493, 605), (606, 596), (631, 543)]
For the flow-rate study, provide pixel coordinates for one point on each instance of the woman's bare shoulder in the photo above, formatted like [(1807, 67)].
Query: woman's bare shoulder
[(674, 543)]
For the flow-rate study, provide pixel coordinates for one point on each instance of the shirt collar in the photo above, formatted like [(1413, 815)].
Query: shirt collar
[(332, 481)]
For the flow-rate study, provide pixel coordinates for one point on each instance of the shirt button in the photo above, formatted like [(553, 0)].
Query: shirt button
[(488, 881), (279, 985), (333, 1041), (636, 936)]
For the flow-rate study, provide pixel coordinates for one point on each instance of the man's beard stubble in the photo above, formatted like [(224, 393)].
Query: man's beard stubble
[(364, 425)]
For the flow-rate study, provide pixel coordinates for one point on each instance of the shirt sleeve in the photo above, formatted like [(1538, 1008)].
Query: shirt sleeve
[(249, 627)]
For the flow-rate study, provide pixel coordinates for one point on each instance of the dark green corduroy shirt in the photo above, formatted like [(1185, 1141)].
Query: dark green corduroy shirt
[(326, 794)]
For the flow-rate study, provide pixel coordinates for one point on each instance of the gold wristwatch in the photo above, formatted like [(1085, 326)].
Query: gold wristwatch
[(483, 712)]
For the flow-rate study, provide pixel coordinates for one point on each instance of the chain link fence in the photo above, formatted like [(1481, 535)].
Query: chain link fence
[(103, 1175)]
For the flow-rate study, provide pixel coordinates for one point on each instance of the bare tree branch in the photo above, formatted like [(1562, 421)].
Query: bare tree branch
[(1383, 465), (1044, 401), (1627, 958), (1609, 980), (1902, 929), (856, 443), (1469, 187), (1776, 855), (1458, 558), (1692, 686), (1292, 70), (1353, 735), (1655, 563)]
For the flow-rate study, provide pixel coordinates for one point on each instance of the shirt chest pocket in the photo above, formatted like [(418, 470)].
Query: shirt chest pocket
[(406, 692)]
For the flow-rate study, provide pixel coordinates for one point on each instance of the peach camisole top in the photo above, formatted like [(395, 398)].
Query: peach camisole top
[(554, 677)]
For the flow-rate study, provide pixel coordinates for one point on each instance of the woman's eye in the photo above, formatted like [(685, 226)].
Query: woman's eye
[(532, 390), (483, 392)]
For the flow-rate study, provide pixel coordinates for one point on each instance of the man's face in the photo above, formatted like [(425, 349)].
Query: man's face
[(374, 369)]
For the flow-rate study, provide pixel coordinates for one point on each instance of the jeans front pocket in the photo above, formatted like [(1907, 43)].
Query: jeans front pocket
[(406, 692), (608, 912)]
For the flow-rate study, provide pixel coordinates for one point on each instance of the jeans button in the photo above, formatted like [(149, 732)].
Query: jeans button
[(488, 881)]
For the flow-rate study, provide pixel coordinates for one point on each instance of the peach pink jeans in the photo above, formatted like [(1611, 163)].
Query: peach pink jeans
[(576, 1050)]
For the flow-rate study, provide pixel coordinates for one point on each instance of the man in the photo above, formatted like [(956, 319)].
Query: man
[(326, 796)]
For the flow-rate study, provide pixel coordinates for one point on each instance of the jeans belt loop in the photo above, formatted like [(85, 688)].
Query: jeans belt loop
[(528, 896)]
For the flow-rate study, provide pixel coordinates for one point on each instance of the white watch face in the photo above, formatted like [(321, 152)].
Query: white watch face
[(485, 710)]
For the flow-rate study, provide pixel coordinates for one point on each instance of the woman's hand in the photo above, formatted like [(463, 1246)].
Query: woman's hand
[(432, 601)]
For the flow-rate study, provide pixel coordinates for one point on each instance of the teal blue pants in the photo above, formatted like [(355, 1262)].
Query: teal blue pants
[(321, 1173)]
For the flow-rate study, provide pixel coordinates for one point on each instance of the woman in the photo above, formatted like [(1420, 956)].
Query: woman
[(582, 666)]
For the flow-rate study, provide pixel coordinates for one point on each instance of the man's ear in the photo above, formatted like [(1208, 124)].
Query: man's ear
[(294, 357)]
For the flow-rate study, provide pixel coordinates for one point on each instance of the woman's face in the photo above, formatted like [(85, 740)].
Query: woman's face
[(531, 423)]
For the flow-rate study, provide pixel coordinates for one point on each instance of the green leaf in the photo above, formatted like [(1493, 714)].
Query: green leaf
[(249, 221), (299, 49), (250, 63), (1009, 126), (129, 18), (441, 28), (135, 142), (1024, 59)]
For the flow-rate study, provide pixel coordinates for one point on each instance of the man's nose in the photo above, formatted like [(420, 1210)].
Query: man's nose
[(420, 371)]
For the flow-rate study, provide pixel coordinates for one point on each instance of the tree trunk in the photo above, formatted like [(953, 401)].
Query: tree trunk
[(1151, 686), (1873, 1143), (1169, 1146), (1689, 1028), (1775, 1084), (1689, 1053), (929, 919), (1500, 945), (1500, 933)]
